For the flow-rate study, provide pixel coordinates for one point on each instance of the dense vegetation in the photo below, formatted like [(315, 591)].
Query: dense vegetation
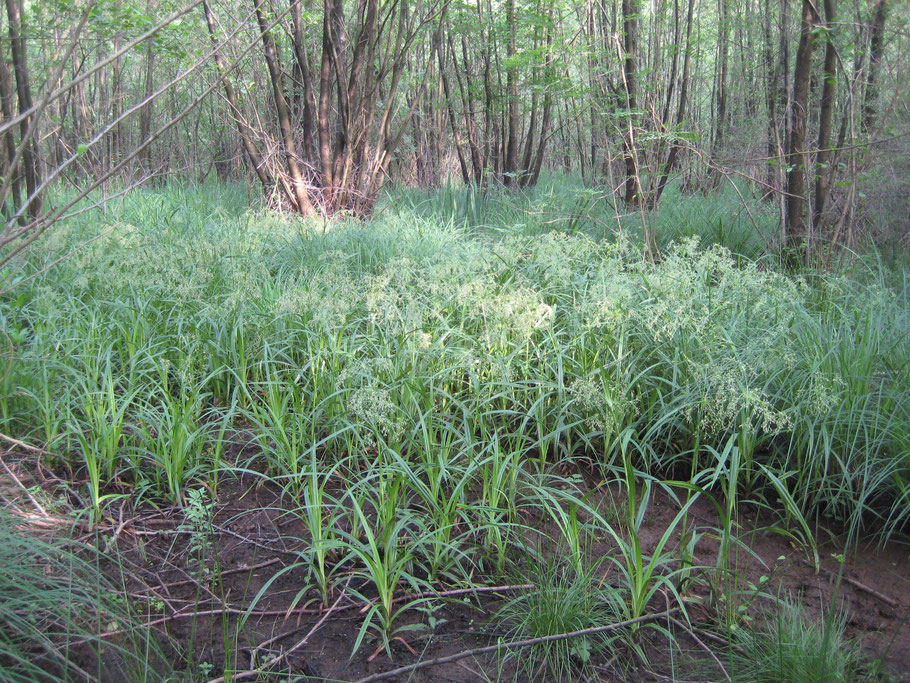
[(416, 386), (567, 338)]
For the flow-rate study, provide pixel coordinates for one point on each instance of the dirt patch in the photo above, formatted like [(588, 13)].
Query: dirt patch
[(196, 586)]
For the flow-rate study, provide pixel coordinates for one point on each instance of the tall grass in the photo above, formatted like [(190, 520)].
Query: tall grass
[(54, 610), (561, 338), (411, 383)]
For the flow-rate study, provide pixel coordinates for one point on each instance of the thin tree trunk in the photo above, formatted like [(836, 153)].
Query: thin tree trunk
[(298, 186), (680, 108), (145, 116), (9, 150), (825, 116), (325, 105), (630, 46), (450, 108), (467, 98), (309, 126), (243, 129), (771, 97), (880, 13), (510, 165), (797, 158), (23, 91)]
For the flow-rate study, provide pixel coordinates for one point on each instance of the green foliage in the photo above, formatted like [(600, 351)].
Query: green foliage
[(562, 600), (793, 646), (54, 608), (411, 384)]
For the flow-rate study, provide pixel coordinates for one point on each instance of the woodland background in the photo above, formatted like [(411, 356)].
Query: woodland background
[(323, 104)]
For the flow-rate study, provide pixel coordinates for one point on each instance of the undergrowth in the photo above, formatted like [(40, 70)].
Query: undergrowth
[(412, 383)]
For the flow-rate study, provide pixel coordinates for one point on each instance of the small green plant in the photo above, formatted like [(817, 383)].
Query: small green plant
[(320, 512), (98, 423), (384, 555), (644, 575), (197, 524), (282, 414), (175, 438)]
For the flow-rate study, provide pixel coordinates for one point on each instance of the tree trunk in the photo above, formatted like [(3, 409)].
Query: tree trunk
[(9, 143), (825, 116), (450, 108), (681, 107), (243, 130), (797, 158), (145, 116), (325, 106), (510, 165), (298, 190), (723, 45), (630, 46), (880, 12), (306, 80), (23, 91)]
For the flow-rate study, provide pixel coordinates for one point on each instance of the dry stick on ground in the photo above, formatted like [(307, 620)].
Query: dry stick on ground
[(23, 487), (515, 644), (859, 586), (224, 572), (703, 647), (302, 610), (121, 524), (22, 444), (277, 658), (457, 592)]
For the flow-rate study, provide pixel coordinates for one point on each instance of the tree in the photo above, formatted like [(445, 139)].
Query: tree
[(797, 157)]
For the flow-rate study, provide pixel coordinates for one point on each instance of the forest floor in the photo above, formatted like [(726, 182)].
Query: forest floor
[(198, 584)]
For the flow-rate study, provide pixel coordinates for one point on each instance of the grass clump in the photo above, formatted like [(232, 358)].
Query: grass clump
[(563, 600), (793, 646), (54, 608)]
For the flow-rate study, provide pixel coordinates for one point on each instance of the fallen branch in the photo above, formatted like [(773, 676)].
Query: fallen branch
[(703, 647), (22, 444), (277, 658), (22, 486), (515, 644), (859, 585)]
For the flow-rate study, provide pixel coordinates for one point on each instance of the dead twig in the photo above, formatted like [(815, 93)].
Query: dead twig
[(859, 585), (515, 644), (22, 486), (242, 675), (704, 647), (22, 444)]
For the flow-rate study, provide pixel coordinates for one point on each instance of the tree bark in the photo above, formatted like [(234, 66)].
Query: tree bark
[(797, 158), (825, 116), (145, 116), (9, 149), (880, 13), (673, 155), (630, 47), (243, 130), (306, 80), (23, 91), (298, 191), (510, 165), (325, 105)]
